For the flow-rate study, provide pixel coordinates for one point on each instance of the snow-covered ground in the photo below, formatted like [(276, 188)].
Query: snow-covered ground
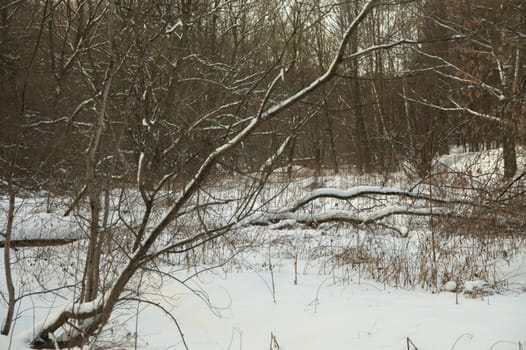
[(243, 303), (320, 313), (232, 307), (236, 310), (288, 285)]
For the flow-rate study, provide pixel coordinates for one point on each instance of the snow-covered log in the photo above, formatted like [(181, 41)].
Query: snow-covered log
[(348, 216), (360, 191), (403, 202), (43, 229), (42, 242), (422, 205)]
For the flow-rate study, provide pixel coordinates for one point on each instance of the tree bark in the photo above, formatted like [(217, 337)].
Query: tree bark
[(508, 140), (509, 153), (7, 263), (362, 146)]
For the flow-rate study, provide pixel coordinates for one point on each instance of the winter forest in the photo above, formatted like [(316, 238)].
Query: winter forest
[(247, 174)]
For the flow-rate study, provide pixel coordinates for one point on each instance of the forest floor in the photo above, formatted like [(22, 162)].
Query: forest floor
[(249, 306), (289, 286)]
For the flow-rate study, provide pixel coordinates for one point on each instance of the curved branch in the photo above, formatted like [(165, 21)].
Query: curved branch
[(360, 191)]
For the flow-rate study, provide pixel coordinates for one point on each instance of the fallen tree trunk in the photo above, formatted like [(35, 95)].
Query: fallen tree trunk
[(348, 216), (45, 242), (409, 203)]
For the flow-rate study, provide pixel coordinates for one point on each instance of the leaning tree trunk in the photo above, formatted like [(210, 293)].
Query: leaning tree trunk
[(91, 273)]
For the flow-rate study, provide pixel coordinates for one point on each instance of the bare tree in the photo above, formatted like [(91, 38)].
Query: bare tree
[(227, 132), (484, 66), (155, 100)]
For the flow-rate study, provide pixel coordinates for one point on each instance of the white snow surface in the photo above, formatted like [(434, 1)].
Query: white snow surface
[(450, 286), (471, 286), (329, 308), (320, 312), (487, 164)]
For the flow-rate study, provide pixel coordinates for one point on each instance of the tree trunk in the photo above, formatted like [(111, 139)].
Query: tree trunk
[(360, 129), (6, 327), (509, 154), (508, 140), (331, 138)]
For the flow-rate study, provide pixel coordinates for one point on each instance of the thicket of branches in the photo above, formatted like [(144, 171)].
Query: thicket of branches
[(99, 97), (169, 64)]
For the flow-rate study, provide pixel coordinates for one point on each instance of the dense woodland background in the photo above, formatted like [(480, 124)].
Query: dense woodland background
[(154, 68)]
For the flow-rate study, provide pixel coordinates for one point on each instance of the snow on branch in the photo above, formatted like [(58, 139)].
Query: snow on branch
[(76, 311), (458, 108), (381, 47), (360, 191), (365, 216), (468, 77), (253, 123)]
